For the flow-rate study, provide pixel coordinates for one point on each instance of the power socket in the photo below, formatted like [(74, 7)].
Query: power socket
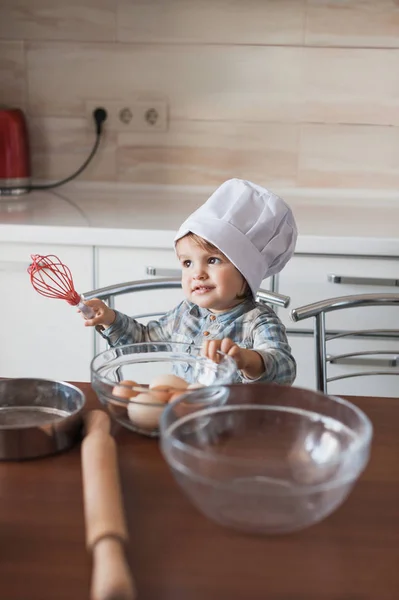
[(135, 116)]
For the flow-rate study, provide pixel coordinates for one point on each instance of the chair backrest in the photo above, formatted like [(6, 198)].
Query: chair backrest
[(109, 293), (322, 336)]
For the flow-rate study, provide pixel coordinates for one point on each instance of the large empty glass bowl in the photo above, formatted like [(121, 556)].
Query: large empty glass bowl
[(273, 461), (118, 375)]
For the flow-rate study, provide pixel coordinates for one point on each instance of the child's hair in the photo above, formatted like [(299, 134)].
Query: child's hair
[(205, 245)]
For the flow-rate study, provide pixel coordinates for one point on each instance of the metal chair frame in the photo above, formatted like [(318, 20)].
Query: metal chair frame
[(318, 310), (109, 293)]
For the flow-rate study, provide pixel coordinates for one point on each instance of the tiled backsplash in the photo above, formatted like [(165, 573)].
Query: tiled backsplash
[(284, 92)]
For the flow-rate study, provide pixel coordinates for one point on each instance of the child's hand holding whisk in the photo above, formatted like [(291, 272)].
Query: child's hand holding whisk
[(104, 316)]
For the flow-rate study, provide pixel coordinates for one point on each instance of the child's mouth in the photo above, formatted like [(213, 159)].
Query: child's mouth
[(203, 289)]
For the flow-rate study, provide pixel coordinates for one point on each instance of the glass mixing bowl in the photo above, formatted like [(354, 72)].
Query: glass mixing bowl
[(141, 363), (274, 465)]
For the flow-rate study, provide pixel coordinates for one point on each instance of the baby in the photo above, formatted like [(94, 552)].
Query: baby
[(240, 236)]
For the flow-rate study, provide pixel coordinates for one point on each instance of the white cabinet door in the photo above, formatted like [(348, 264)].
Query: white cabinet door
[(308, 279), (117, 265), (43, 337)]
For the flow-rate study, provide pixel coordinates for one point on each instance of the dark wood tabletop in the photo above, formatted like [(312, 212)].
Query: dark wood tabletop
[(177, 554)]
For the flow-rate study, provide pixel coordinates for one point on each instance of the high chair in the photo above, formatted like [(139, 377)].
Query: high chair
[(382, 361)]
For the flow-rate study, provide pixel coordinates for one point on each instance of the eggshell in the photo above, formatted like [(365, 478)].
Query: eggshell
[(191, 386), (186, 408), (141, 414), (124, 392), (176, 395), (161, 392), (169, 380)]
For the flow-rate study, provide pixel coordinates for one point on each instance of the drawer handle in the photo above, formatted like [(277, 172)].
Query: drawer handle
[(159, 272), (354, 358), (332, 278)]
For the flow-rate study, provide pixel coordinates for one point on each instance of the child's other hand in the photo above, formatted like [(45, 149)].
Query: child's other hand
[(210, 349), (104, 315), (249, 362)]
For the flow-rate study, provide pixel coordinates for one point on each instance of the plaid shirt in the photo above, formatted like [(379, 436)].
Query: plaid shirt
[(250, 325)]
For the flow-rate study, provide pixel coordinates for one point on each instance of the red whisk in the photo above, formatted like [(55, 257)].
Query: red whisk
[(51, 278)]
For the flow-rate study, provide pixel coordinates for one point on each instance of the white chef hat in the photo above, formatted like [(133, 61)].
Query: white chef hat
[(250, 225)]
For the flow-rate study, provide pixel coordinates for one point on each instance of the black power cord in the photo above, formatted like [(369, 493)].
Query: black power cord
[(99, 116)]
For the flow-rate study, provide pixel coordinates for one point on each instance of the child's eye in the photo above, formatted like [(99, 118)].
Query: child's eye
[(213, 260), (186, 263)]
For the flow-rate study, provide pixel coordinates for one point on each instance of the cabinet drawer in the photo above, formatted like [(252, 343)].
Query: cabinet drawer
[(43, 337), (308, 279), (116, 265), (303, 350)]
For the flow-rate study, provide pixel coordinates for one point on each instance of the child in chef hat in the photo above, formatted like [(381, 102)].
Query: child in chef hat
[(241, 235)]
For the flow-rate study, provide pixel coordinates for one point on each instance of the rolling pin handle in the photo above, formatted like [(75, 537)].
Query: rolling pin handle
[(111, 579)]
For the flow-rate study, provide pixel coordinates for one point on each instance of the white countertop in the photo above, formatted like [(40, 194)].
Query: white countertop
[(329, 221)]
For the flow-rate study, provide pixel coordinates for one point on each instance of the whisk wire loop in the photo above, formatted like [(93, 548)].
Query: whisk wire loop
[(51, 278)]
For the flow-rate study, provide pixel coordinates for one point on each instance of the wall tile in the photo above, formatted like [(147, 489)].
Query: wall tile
[(247, 83), (367, 23), (351, 86), (215, 21), (203, 153), (246, 98), (201, 82), (12, 74), (349, 156), (60, 146), (87, 20)]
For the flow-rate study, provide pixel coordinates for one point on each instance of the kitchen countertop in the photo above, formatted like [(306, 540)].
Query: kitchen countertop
[(329, 220)]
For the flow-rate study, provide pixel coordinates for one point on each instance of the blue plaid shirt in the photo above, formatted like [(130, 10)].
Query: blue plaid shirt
[(250, 325)]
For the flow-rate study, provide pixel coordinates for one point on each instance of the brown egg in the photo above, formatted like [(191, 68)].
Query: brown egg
[(161, 392), (168, 380), (142, 414), (187, 407), (122, 390), (176, 395)]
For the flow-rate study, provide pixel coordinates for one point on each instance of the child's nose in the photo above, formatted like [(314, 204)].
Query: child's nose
[(199, 273)]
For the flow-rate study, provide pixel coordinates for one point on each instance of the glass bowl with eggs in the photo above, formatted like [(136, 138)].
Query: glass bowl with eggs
[(137, 381)]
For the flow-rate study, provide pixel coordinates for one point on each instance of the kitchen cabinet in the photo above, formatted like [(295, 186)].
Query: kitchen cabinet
[(308, 278), (43, 337), (117, 265)]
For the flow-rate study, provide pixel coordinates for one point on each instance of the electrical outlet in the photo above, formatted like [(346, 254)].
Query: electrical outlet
[(135, 116)]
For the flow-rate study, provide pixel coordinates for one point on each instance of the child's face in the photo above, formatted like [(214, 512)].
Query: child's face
[(209, 279)]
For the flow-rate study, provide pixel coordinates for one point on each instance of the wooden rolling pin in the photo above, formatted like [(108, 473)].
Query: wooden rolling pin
[(106, 531)]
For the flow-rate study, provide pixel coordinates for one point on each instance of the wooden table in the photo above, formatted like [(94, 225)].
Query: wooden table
[(177, 554)]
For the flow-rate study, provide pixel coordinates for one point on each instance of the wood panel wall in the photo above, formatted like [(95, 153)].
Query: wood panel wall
[(288, 93)]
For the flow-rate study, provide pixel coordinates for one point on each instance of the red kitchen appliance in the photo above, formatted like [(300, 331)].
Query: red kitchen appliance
[(14, 152), (15, 177)]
